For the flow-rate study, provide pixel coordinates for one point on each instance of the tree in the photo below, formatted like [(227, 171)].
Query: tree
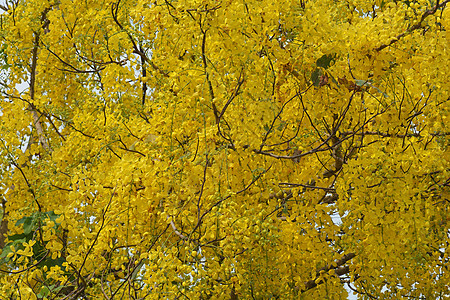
[(224, 149)]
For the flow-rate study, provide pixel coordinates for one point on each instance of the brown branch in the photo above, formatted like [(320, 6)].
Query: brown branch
[(61, 188), (48, 115), (102, 63), (324, 141), (54, 127), (71, 126), (219, 116), (321, 148), (386, 134), (139, 263), (125, 148), (312, 151), (415, 26), (203, 10), (338, 267), (74, 69), (276, 117), (205, 65), (330, 199), (102, 225), (136, 50), (3, 224), (175, 230), (227, 197), (308, 186), (199, 206), (30, 189), (81, 288), (37, 123), (28, 268), (144, 84)]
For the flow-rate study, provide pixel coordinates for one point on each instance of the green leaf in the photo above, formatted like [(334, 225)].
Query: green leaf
[(30, 222), (39, 250), (315, 76), (46, 290), (19, 238), (21, 221), (16, 240), (136, 270), (28, 225), (52, 216), (5, 251), (43, 292), (49, 262), (325, 60)]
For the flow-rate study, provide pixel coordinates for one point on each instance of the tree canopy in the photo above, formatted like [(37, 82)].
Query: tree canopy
[(220, 149)]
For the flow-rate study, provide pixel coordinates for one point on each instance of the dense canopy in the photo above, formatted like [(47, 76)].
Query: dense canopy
[(224, 149)]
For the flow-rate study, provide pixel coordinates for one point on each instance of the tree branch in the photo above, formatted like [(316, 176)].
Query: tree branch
[(414, 27), (338, 267), (37, 123)]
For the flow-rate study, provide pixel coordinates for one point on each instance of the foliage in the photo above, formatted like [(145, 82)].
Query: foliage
[(224, 149)]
